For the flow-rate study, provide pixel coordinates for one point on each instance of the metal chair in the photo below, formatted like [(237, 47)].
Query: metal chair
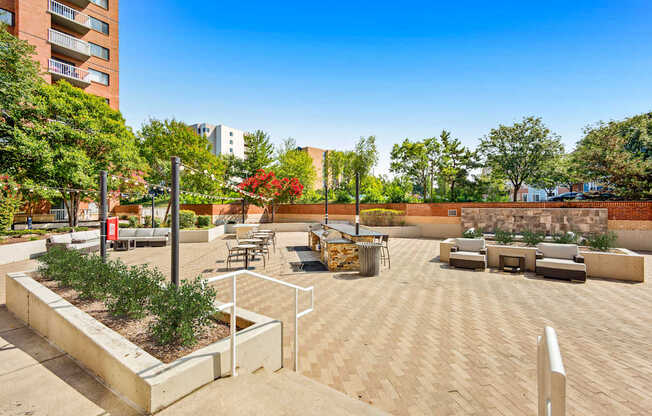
[(383, 240), (234, 253)]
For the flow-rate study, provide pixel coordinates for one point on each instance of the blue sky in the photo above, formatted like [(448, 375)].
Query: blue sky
[(326, 73)]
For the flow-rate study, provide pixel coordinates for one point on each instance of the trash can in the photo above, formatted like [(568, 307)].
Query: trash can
[(369, 256)]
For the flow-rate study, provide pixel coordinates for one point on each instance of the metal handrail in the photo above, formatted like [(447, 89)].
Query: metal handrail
[(69, 71), (551, 375), (70, 42), (232, 305), (69, 13)]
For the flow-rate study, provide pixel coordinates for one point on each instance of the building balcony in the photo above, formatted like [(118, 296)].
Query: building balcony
[(80, 3), (76, 76), (69, 17), (69, 45)]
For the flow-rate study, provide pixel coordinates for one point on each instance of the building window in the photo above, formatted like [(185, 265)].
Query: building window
[(101, 3), (107, 101), (231, 133), (452, 213), (99, 25), (231, 150), (6, 17), (99, 77), (99, 51), (230, 141)]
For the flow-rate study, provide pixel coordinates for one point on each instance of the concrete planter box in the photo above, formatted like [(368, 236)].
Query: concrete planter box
[(10, 253), (398, 231), (229, 228), (148, 383), (623, 265), (201, 236), (494, 251)]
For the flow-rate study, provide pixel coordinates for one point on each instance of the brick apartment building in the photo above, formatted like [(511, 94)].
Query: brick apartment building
[(75, 40), (317, 156)]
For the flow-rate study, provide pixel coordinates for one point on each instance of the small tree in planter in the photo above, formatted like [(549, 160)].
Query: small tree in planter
[(265, 186), (532, 238)]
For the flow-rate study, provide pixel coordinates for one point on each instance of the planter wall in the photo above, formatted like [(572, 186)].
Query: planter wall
[(201, 236), (10, 253), (145, 381), (624, 265)]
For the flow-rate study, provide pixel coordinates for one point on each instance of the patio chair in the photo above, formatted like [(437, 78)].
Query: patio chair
[(560, 261), (234, 254), (383, 240), (469, 253)]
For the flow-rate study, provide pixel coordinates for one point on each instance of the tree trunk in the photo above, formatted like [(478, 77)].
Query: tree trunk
[(453, 191), (516, 189), (167, 211)]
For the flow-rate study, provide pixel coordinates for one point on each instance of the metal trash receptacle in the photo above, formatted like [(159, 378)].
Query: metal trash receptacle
[(369, 256)]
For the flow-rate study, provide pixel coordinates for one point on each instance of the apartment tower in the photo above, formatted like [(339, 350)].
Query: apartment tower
[(75, 40), (224, 140)]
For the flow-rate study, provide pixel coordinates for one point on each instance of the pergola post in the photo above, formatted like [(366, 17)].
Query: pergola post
[(174, 195), (103, 215), (357, 203)]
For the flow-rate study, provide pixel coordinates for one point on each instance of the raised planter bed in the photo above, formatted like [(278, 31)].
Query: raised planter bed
[(10, 253), (148, 383), (398, 231), (201, 236)]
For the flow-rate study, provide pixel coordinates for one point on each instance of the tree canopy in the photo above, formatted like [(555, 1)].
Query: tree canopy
[(294, 163), (519, 152), (259, 153)]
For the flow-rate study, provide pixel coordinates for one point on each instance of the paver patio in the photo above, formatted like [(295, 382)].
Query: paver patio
[(425, 339)]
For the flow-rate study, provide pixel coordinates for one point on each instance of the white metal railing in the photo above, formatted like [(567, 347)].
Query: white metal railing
[(234, 283), (69, 42), (60, 214), (551, 376), (69, 71), (69, 13)]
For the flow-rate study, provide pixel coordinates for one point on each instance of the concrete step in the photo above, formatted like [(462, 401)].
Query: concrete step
[(281, 393)]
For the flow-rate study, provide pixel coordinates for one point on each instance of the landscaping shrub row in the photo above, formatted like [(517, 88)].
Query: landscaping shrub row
[(181, 313), (596, 241), (382, 217), (187, 219)]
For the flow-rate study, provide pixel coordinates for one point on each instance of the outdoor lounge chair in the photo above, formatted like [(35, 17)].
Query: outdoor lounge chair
[(469, 253), (560, 261)]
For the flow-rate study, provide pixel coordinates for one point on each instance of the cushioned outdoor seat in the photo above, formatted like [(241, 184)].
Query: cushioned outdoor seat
[(470, 253), (560, 261), (145, 236), (86, 241)]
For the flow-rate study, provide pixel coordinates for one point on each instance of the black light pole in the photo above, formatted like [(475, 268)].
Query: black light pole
[(357, 203), (175, 161), (325, 174), (153, 197), (243, 210), (103, 214)]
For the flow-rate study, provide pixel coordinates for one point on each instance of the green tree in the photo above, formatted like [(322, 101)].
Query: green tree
[(518, 152), (618, 154), (455, 162), (555, 172), (398, 190), (410, 159), (259, 153), (293, 163), (372, 189), (365, 156)]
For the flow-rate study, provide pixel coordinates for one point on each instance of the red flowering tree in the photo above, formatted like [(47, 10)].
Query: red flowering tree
[(264, 188)]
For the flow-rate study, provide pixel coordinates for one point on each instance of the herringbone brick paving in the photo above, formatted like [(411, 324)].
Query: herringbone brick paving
[(425, 339)]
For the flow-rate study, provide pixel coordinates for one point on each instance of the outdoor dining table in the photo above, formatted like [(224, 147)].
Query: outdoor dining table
[(246, 248)]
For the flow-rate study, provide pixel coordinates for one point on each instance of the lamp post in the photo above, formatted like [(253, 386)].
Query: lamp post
[(357, 203), (175, 162), (103, 214), (325, 175), (243, 210)]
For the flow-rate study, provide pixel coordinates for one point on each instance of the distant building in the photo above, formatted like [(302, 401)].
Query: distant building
[(224, 140), (317, 156)]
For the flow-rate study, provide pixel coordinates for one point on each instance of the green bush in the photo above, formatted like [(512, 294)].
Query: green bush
[(504, 237), (61, 265), (133, 222), (148, 221), (473, 233), (203, 221), (343, 197), (601, 242), (532, 238), (566, 238), (187, 218), (182, 312), (129, 290)]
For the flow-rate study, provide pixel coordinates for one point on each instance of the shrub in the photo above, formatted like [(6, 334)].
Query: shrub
[(380, 216), (203, 221), (187, 218), (61, 265), (148, 221), (181, 312), (504, 237), (133, 222), (601, 242), (566, 238), (129, 290), (343, 197), (532, 238), (473, 233)]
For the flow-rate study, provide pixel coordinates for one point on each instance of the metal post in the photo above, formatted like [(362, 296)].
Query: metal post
[(325, 175), (243, 210), (272, 211), (233, 328), (296, 329), (153, 222), (175, 161), (103, 214), (357, 203)]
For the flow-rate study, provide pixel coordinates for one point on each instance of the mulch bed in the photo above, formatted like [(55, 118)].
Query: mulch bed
[(21, 239), (136, 330)]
